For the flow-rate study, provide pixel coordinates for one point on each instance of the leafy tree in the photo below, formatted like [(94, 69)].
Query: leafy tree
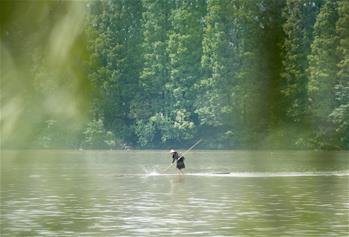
[(175, 121), (214, 105), (115, 63), (96, 137), (322, 71), (242, 73), (241, 63), (153, 96), (298, 27), (300, 18), (340, 115)]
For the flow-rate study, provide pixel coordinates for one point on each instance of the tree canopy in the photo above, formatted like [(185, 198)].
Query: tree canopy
[(255, 74)]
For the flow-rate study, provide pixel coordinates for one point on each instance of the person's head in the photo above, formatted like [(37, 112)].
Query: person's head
[(172, 151)]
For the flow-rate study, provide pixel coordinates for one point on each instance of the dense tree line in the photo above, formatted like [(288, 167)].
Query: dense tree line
[(239, 74), (235, 73)]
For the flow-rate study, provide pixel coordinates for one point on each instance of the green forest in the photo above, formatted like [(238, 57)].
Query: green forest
[(159, 74)]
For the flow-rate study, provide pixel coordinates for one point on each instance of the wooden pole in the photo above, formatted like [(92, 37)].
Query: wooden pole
[(195, 144)]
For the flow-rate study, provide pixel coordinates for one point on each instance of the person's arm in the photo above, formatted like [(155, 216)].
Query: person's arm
[(174, 158)]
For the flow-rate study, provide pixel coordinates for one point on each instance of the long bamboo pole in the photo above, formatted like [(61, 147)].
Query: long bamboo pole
[(189, 149)]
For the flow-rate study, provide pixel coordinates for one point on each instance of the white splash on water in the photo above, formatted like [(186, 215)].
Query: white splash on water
[(153, 173), (251, 174)]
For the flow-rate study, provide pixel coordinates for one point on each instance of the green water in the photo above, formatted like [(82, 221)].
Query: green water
[(226, 193)]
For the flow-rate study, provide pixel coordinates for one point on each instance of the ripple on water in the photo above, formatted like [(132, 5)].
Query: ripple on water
[(106, 202)]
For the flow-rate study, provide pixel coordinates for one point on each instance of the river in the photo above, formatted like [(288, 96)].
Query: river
[(223, 193)]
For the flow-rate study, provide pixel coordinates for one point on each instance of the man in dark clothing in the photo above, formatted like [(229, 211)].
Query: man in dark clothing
[(179, 161)]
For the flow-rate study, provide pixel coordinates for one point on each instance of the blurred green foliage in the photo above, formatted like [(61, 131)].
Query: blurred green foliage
[(151, 73), (44, 91)]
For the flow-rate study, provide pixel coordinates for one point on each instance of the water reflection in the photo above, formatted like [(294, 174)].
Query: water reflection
[(106, 194)]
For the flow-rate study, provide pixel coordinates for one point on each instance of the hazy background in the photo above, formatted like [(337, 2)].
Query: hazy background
[(265, 74), (256, 80)]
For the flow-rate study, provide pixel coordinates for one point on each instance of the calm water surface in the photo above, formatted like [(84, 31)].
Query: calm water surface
[(87, 193)]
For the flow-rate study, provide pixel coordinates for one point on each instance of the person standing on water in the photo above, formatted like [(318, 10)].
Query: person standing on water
[(179, 161)]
